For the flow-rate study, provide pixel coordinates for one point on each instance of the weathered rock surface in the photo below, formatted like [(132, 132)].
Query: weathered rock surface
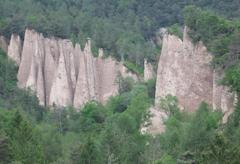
[(51, 61), (3, 44), (61, 93), (30, 74), (222, 98), (156, 122), (107, 72), (184, 71), (125, 72), (148, 71), (86, 86), (62, 74), (15, 49)]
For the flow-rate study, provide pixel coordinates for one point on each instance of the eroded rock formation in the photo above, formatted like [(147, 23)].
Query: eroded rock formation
[(62, 74), (222, 98), (184, 71), (3, 44), (15, 49), (148, 71), (155, 125)]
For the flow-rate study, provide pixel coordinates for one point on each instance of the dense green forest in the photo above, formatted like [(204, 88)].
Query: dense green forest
[(124, 28), (100, 134)]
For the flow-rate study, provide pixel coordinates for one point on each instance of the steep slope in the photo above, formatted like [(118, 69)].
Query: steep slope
[(184, 71), (3, 44), (148, 71), (15, 49), (61, 74)]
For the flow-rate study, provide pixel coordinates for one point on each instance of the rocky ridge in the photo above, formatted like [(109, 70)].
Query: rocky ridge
[(148, 71), (184, 70), (4, 44), (62, 74)]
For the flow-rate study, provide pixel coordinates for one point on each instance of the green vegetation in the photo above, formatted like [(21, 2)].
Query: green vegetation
[(198, 137), (218, 34), (110, 133), (99, 134), (123, 28), (175, 30), (222, 38), (134, 68)]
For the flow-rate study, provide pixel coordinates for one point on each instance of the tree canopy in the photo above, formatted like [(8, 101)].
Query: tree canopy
[(110, 133), (123, 28)]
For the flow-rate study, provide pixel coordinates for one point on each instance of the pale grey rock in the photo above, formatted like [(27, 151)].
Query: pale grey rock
[(69, 56), (107, 71), (63, 75), (35, 80), (155, 125), (160, 34), (81, 95), (124, 72), (77, 53), (50, 65), (62, 90), (87, 88), (100, 53), (25, 67), (30, 73), (4, 44), (184, 71), (97, 77), (223, 99), (15, 49), (91, 71), (40, 90), (148, 71)]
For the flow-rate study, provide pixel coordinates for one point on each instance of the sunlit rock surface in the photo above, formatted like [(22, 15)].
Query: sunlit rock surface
[(184, 71), (62, 74), (148, 71), (3, 44), (15, 49)]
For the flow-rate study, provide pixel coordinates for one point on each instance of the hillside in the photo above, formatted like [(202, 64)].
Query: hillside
[(63, 104), (133, 23)]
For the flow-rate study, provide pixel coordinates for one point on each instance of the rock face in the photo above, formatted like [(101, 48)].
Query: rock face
[(184, 71), (62, 74), (3, 44), (222, 98), (148, 71), (156, 122), (15, 49), (30, 74), (61, 93), (86, 85)]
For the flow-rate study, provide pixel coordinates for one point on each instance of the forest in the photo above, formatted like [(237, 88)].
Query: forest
[(133, 23), (99, 134)]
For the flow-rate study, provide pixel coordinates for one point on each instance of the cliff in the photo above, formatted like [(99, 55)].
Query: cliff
[(15, 49), (62, 74), (184, 71), (148, 71), (3, 44)]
